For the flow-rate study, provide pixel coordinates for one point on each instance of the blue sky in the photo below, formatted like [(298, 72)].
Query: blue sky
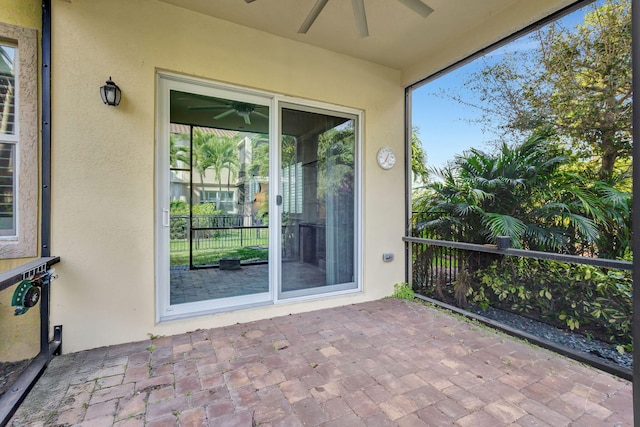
[(443, 124)]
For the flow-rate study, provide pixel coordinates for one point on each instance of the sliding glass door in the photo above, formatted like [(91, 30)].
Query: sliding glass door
[(257, 199), (318, 188)]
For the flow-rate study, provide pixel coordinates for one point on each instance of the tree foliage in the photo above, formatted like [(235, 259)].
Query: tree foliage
[(210, 152), (576, 81), (574, 87), (524, 191), (336, 161), (418, 158)]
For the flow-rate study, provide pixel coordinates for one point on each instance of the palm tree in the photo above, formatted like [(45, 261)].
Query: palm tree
[(521, 191), (225, 156), (231, 160), (259, 161), (203, 145), (216, 152), (418, 158), (177, 151), (336, 149)]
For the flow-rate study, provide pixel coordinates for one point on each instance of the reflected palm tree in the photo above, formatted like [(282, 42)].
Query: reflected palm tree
[(216, 152), (178, 150)]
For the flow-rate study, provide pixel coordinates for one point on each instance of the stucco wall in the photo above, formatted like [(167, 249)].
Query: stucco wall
[(26, 13), (103, 157)]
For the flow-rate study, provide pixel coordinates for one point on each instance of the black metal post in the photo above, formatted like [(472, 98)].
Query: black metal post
[(408, 183), (12, 398), (190, 240), (635, 226), (45, 230), (44, 316)]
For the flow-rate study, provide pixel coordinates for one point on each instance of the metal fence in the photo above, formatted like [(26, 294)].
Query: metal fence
[(33, 282), (216, 232), (221, 238), (581, 294)]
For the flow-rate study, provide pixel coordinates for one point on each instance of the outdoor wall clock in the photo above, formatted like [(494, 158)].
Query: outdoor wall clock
[(386, 158)]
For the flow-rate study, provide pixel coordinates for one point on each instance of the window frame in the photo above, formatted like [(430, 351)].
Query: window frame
[(23, 243)]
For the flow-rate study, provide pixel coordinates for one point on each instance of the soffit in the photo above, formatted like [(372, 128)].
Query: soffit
[(398, 37)]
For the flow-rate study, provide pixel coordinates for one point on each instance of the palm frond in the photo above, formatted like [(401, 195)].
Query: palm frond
[(505, 225)]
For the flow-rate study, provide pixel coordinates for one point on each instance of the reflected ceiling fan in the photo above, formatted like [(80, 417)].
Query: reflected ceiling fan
[(358, 10), (242, 109)]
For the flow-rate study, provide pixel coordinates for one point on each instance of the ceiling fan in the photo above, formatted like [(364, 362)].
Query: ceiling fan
[(242, 109), (358, 10)]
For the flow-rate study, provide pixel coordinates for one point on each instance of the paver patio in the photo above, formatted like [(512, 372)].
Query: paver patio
[(382, 363), (211, 283)]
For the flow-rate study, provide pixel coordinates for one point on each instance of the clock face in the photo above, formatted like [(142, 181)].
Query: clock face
[(386, 158)]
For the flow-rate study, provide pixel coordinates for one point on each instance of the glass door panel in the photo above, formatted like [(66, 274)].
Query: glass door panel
[(218, 167), (221, 171), (317, 177)]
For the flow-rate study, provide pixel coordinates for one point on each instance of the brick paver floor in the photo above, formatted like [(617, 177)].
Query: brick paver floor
[(383, 363), (212, 283)]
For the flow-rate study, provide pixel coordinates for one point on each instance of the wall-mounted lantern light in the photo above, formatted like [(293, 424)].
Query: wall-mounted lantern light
[(110, 93)]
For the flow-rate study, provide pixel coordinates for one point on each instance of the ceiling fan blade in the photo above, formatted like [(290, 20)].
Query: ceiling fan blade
[(207, 107), (361, 17), (225, 114), (247, 120), (313, 15), (258, 113), (418, 7)]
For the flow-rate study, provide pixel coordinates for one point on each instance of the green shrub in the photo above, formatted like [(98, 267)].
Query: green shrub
[(402, 291), (180, 216), (179, 207), (591, 300), (206, 209), (594, 300)]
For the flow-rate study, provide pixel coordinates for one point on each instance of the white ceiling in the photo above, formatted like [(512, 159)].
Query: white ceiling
[(398, 37)]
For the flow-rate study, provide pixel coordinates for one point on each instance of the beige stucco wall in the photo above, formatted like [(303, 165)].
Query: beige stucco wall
[(19, 335), (26, 13), (103, 157)]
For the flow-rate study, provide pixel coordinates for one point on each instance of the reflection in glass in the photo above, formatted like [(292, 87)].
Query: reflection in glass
[(318, 192), (7, 190), (219, 238), (7, 90)]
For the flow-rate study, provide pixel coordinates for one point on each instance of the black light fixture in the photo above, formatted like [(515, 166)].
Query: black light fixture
[(110, 93)]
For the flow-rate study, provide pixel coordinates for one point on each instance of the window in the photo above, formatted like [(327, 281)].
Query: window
[(7, 190), (18, 142), (223, 199), (7, 138), (292, 188)]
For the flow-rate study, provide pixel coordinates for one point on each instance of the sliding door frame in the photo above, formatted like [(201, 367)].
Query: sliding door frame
[(167, 81), (357, 116)]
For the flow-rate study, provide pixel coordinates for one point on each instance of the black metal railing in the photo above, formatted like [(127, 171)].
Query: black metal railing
[(580, 294), (37, 274), (223, 237), (215, 232)]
